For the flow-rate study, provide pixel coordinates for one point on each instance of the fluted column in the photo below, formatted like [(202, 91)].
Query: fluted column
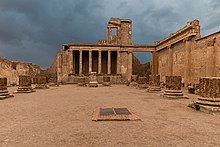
[(90, 61), (80, 61), (100, 62), (109, 62)]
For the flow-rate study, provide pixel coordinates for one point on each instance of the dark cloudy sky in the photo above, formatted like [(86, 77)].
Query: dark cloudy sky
[(34, 30)]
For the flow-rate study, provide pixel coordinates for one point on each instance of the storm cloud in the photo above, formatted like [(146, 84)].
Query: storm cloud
[(33, 30)]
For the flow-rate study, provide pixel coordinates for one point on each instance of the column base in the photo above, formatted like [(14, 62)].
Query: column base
[(5, 94), (174, 94), (24, 90), (41, 86), (154, 89)]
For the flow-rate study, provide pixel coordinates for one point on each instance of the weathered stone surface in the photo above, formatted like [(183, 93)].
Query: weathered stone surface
[(93, 80)]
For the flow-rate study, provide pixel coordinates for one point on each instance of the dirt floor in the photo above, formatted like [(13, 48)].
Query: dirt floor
[(61, 116)]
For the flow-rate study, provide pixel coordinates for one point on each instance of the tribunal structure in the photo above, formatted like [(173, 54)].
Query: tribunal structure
[(109, 57)]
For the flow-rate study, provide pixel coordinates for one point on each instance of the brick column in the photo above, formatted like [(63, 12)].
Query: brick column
[(109, 62), (118, 62), (100, 62), (155, 62), (90, 61), (210, 64), (170, 61), (80, 61), (188, 43), (129, 71), (209, 93), (71, 62)]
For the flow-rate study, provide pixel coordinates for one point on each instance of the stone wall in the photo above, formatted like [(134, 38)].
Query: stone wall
[(12, 70)]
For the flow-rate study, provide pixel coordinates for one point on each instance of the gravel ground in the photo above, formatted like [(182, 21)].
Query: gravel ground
[(61, 116)]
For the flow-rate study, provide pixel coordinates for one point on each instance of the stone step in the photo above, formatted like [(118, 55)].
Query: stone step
[(207, 103), (209, 99)]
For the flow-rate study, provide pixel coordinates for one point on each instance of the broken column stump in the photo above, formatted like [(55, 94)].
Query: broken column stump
[(134, 79), (106, 81), (81, 81), (209, 93), (24, 85), (173, 87), (4, 89), (41, 82), (93, 80), (142, 82), (154, 84)]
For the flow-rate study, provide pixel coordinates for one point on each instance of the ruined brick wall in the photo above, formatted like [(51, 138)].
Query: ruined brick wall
[(12, 70)]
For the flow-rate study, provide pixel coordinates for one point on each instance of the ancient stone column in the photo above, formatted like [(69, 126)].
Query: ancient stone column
[(106, 81), (209, 93), (93, 80), (71, 61), (210, 64), (155, 62), (3, 89), (24, 84), (100, 62), (134, 80), (170, 61), (154, 83), (80, 62), (109, 62), (59, 67), (173, 87), (118, 62), (90, 61), (129, 71), (41, 82), (188, 43)]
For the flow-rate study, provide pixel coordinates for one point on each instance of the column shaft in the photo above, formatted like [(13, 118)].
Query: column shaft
[(118, 62), (100, 62), (80, 61), (90, 61), (109, 62)]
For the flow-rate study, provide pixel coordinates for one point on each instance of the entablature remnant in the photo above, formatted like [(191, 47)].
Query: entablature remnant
[(192, 29)]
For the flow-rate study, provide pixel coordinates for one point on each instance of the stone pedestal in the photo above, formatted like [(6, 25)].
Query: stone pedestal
[(24, 85), (81, 81), (134, 79), (209, 93), (3, 89), (142, 82), (173, 87), (53, 82), (106, 81), (41, 82), (154, 84), (93, 80)]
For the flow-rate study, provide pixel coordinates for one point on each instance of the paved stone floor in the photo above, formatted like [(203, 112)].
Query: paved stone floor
[(61, 116)]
